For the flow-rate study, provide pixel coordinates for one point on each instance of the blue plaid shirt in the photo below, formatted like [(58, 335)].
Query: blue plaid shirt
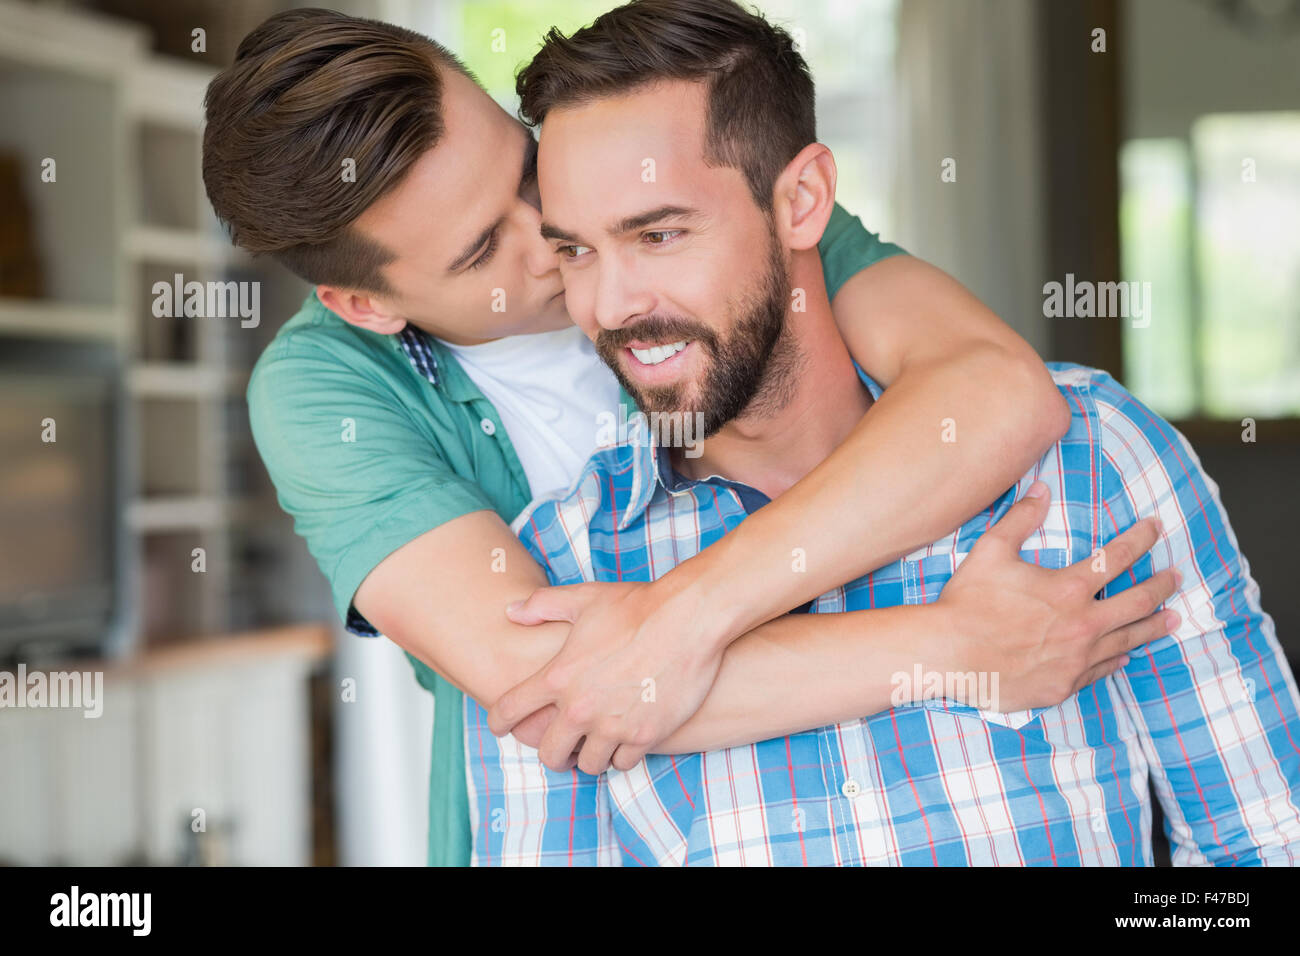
[(1208, 714)]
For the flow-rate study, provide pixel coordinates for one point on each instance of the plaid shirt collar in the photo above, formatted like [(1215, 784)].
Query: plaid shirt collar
[(419, 350), (436, 365), (652, 468)]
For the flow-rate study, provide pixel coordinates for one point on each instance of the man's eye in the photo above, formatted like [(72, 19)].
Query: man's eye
[(486, 256), (661, 237), (572, 252)]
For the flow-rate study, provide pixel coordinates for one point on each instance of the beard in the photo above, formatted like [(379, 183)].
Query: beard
[(750, 372)]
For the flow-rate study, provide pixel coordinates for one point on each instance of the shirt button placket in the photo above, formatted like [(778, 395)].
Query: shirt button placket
[(834, 765), (857, 789), (488, 426)]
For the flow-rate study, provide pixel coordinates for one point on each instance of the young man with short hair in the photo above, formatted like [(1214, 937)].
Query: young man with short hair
[(433, 384)]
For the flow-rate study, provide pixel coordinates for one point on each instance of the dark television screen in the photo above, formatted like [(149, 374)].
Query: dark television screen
[(57, 497)]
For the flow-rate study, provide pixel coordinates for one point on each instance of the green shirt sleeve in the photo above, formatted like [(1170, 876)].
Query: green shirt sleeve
[(847, 248), (358, 474)]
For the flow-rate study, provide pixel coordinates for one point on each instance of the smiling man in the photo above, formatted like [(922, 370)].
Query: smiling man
[(700, 264), (432, 384)]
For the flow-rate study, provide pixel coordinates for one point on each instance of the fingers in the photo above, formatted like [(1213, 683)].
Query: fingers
[(627, 756), (530, 611), (1120, 554), (559, 603), (1104, 669), (532, 728), (1138, 601), (595, 756), (518, 702), (559, 744), (1132, 636), (1021, 519)]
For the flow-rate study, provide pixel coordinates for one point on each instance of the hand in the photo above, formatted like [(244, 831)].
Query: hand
[(1042, 630), (626, 678)]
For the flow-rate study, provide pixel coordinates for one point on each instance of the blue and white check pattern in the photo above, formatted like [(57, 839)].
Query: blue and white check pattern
[(1208, 714)]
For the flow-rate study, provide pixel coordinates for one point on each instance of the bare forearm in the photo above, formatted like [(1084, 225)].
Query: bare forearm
[(442, 597), (934, 450), (802, 671), (499, 656)]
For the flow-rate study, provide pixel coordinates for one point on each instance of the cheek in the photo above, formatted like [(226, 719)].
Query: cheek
[(502, 285), (472, 297), (690, 285), (475, 296)]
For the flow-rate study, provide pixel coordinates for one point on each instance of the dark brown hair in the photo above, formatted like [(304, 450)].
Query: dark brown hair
[(308, 90), (761, 108)]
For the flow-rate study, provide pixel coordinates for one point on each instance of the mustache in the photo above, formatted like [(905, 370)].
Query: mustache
[(657, 328)]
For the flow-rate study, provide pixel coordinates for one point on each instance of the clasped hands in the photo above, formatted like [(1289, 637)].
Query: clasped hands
[(637, 665)]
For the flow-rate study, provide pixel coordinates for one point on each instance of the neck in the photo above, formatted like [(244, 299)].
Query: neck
[(771, 448)]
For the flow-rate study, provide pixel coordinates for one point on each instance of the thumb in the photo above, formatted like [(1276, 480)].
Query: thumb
[(1022, 518), (558, 603)]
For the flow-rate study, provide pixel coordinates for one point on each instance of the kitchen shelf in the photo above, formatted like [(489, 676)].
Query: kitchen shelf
[(48, 318)]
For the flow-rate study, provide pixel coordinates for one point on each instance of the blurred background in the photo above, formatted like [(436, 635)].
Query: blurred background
[(1154, 141)]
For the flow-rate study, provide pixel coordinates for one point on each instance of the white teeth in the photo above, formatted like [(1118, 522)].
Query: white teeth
[(657, 354)]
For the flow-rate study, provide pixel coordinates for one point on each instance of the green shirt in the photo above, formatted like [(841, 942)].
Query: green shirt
[(366, 454)]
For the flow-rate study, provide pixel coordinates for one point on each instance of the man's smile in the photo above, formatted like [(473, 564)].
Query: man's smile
[(655, 364)]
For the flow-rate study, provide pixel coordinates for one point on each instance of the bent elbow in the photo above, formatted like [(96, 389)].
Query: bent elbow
[(1049, 412)]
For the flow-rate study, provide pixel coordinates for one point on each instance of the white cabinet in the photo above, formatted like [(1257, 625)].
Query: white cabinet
[(223, 728)]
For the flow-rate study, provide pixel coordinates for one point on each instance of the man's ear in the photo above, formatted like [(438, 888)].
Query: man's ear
[(804, 197), (362, 309)]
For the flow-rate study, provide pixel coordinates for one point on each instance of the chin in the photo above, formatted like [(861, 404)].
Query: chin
[(550, 317), (678, 397)]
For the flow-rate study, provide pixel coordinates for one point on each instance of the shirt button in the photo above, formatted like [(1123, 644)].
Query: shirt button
[(488, 427), (850, 788)]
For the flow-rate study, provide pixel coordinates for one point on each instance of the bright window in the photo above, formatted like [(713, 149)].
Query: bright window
[(849, 46), (1213, 223)]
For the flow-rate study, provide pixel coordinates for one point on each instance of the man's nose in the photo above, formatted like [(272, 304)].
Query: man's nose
[(620, 295)]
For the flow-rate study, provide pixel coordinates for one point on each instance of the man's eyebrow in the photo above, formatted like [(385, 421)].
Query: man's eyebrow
[(628, 223), (475, 246), (555, 232), (643, 219)]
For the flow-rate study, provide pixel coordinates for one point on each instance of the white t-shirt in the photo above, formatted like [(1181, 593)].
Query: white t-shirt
[(549, 389)]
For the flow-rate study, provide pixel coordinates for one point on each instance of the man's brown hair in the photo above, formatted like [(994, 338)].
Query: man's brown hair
[(310, 89), (761, 106)]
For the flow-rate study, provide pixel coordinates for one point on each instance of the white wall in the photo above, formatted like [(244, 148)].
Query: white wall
[(968, 91), (382, 750)]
